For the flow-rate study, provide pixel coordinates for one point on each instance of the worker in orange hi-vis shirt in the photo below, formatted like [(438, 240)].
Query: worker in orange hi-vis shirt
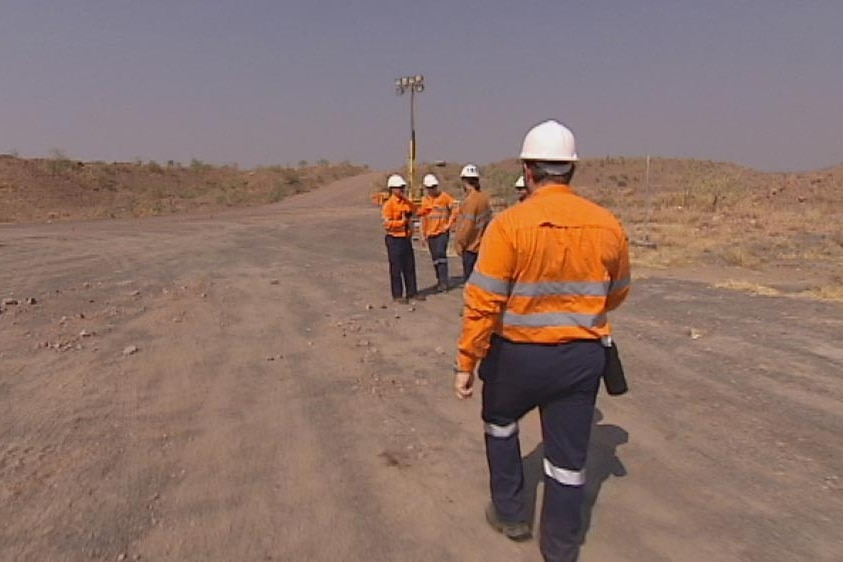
[(535, 320), (397, 215), (437, 215), (474, 215)]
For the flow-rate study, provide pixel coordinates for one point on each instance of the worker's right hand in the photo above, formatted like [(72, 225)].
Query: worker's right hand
[(464, 384)]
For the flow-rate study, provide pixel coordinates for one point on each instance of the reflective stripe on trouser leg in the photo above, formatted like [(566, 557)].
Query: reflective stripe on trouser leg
[(563, 475), (393, 252), (566, 428), (564, 492), (501, 431), (560, 521), (506, 472), (438, 246)]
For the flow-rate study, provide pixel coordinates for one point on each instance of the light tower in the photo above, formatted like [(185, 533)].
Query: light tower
[(414, 85)]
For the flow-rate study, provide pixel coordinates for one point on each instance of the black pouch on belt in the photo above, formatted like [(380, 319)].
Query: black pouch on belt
[(613, 377)]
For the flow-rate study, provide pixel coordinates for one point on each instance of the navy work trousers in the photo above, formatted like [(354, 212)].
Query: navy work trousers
[(468, 261), (438, 246), (402, 266), (562, 381)]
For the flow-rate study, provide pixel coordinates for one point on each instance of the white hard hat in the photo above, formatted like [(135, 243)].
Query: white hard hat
[(395, 180), (430, 181), (469, 171), (550, 141), (519, 183)]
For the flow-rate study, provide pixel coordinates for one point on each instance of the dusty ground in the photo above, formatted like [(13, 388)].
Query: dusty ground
[(239, 387)]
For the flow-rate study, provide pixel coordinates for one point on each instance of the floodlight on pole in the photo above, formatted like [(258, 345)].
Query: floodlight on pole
[(415, 85)]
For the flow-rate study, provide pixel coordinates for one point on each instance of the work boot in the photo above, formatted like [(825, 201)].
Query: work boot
[(442, 287), (401, 300), (418, 298), (516, 531)]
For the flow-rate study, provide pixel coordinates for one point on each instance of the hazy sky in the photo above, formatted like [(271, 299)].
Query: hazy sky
[(755, 82)]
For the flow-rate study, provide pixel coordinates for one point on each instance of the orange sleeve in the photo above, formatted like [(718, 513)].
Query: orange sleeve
[(617, 264), (485, 295), (465, 224), (393, 217), (452, 210), (426, 207)]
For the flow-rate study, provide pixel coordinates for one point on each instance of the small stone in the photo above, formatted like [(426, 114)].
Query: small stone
[(369, 307), (412, 309), (9, 302), (439, 350), (274, 282), (31, 300), (363, 343), (694, 334), (135, 293), (397, 316), (121, 557), (130, 350), (85, 334)]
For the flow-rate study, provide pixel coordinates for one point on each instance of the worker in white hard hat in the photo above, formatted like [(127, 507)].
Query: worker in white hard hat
[(397, 215), (521, 188), (535, 320), (437, 214), (474, 215)]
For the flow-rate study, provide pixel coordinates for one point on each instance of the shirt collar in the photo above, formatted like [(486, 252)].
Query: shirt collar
[(552, 189)]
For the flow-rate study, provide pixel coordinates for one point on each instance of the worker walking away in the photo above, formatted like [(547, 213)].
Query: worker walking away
[(535, 312), (437, 215), (521, 188), (475, 214), (397, 214)]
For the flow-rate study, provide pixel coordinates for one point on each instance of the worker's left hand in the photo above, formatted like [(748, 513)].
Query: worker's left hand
[(464, 384)]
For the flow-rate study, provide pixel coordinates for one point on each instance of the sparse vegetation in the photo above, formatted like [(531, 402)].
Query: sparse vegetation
[(112, 190), (59, 163), (703, 212)]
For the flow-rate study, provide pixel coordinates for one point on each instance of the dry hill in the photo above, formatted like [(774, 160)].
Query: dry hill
[(34, 190)]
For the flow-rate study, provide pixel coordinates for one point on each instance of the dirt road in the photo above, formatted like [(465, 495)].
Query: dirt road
[(240, 387)]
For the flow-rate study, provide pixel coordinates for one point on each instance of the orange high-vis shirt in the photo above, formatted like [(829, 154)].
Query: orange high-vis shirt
[(437, 214), (475, 214), (548, 272), (396, 214)]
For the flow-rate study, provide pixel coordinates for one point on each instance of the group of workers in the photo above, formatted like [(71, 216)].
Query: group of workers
[(439, 217), (540, 280)]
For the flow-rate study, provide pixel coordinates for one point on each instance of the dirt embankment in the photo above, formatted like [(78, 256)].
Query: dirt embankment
[(38, 190)]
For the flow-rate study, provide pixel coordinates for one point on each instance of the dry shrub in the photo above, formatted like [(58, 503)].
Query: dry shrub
[(747, 287)]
